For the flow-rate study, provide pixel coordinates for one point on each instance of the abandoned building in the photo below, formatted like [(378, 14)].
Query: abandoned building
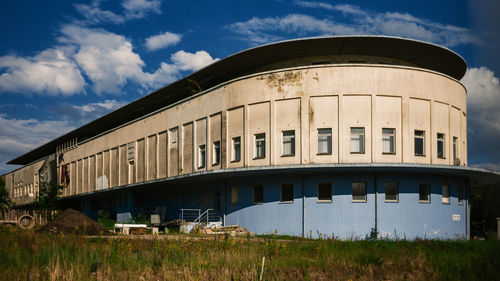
[(319, 136)]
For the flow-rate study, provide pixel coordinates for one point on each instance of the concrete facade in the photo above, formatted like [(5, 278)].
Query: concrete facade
[(302, 111)]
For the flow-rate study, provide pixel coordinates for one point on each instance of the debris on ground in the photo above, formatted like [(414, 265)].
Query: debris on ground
[(233, 230), (72, 221)]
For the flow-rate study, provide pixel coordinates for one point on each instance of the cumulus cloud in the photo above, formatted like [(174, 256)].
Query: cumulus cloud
[(82, 114), (359, 21), (106, 58), (17, 136), (132, 9), (192, 61), (51, 72), (162, 40), (483, 98)]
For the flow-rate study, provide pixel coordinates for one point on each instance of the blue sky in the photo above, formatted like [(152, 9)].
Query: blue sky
[(65, 63)]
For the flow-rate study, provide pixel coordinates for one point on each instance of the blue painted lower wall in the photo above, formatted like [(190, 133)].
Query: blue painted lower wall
[(307, 216)]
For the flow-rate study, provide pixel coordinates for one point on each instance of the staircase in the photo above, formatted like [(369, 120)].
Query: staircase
[(194, 218)]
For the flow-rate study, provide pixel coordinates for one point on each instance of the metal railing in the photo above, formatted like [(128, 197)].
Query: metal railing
[(196, 216), (189, 214), (205, 217)]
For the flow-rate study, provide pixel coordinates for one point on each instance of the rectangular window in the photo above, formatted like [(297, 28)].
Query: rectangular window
[(325, 141), (359, 191), (388, 141), (288, 143), (216, 153), (460, 195), (258, 194), (424, 192), (286, 193), (440, 145), (455, 143), (236, 143), (201, 156), (419, 143), (234, 196), (445, 194), (391, 192), (260, 146), (325, 192), (357, 140)]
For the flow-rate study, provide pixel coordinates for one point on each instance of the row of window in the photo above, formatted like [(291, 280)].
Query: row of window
[(357, 144), (358, 193), (202, 154)]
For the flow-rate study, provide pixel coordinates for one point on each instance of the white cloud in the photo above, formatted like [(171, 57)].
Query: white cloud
[(106, 58), (162, 40), (18, 136), (132, 9), (137, 9), (483, 100), (182, 61), (51, 72), (93, 14), (81, 114), (359, 21), (192, 61)]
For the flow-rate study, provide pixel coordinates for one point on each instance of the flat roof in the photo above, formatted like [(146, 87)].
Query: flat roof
[(422, 54)]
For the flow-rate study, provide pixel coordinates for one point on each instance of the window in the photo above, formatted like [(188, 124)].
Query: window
[(234, 196), (258, 194), (288, 143), (216, 153), (325, 192), (391, 192), (424, 192), (359, 191), (460, 195), (455, 143), (357, 140), (445, 194), (440, 145), (236, 143), (287, 193), (419, 143), (260, 146), (388, 143), (201, 156), (325, 141)]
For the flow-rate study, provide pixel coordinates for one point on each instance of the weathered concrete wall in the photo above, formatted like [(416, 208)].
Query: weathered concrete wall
[(303, 99)]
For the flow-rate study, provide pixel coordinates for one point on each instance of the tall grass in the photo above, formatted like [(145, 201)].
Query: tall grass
[(30, 256)]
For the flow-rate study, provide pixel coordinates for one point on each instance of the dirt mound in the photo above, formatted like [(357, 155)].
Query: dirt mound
[(71, 221)]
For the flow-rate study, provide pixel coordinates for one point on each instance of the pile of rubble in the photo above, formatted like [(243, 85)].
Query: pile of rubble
[(71, 221), (233, 230)]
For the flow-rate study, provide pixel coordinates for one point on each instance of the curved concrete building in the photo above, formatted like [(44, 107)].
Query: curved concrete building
[(334, 136)]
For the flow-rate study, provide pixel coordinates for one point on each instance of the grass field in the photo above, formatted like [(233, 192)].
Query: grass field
[(31, 256)]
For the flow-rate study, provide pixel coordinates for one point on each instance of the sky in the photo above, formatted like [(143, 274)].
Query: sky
[(65, 63)]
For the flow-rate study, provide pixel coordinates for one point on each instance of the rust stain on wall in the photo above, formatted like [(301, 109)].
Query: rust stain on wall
[(316, 77), (278, 80)]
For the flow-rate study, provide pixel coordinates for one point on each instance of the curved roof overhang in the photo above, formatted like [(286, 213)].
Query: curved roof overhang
[(422, 54), (477, 177)]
